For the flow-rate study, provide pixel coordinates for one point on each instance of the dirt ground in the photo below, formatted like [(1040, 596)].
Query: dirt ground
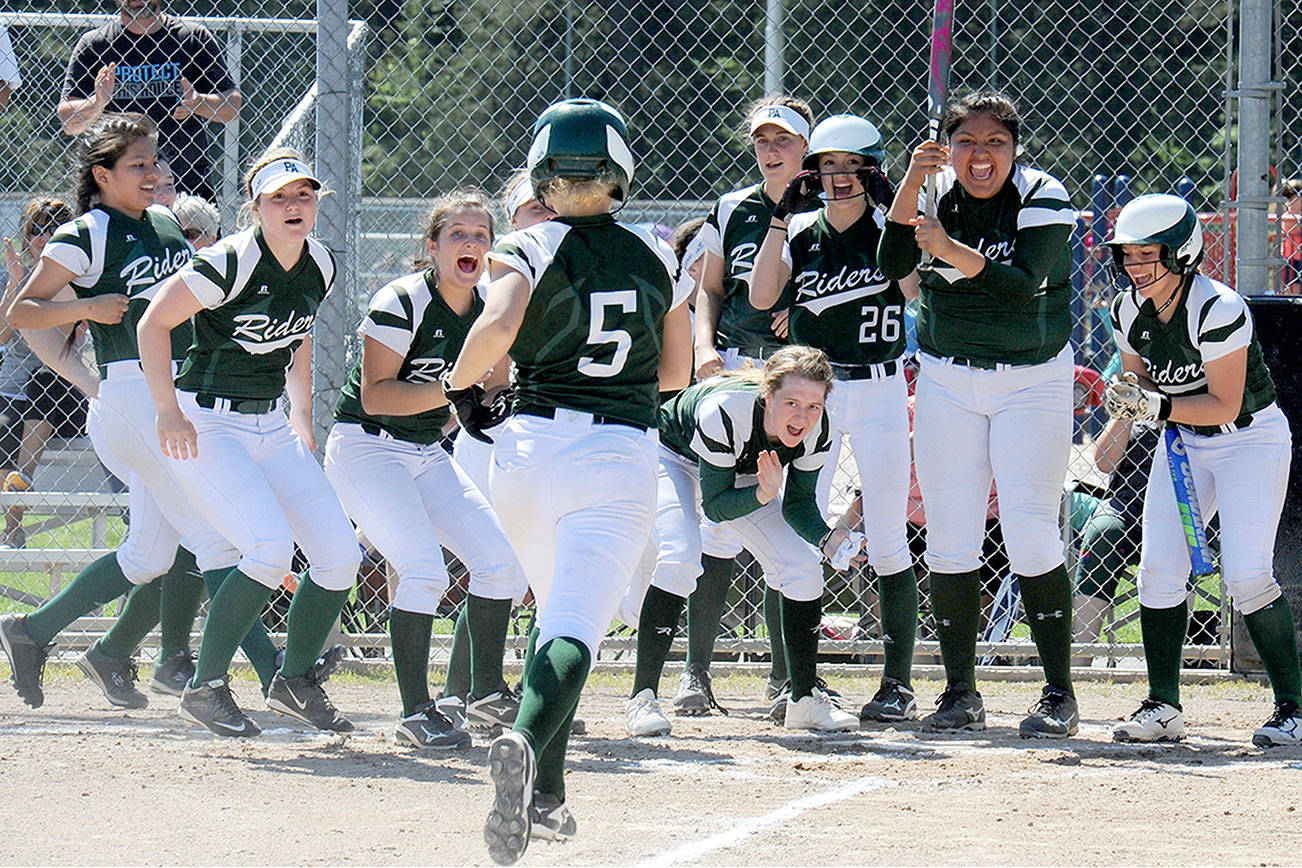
[(85, 784)]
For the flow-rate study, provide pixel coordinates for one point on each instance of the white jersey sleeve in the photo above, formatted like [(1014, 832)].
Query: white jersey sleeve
[(1223, 323), (530, 251), (220, 272), (395, 312)]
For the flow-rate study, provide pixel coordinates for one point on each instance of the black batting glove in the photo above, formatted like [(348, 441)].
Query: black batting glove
[(876, 185), (801, 195), (468, 406)]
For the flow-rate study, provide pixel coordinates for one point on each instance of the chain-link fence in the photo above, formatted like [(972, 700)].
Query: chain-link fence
[(408, 100)]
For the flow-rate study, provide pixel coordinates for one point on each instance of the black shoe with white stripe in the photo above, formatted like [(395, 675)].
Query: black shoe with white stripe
[(1283, 728), (429, 727), (303, 699), (211, 705), (1054, 716)]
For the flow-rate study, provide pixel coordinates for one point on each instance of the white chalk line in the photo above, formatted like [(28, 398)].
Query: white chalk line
[(744, 829)]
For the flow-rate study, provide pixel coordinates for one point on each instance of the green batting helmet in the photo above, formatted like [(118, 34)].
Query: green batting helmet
[(1160, 218), (580, 139)]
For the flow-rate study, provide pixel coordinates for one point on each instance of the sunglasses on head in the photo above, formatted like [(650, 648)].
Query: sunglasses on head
[(40, 229)]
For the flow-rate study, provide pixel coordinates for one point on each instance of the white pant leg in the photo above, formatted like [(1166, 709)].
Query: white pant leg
[(678, 525), (1030, 446), (316, 519), (791, 565), (590, 490), (375, 482), (952, 456), (876, 417), (121, 423), (227, 486), (1249, 479), (475, 456), (467, 525), (1164, 553)]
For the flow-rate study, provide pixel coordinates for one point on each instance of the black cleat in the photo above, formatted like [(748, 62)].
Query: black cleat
[(26, 659), (549, 819), (116, 676), (211, 705), (511, 769), (959, 707), (429, 727), (173, 674), (1053, 716), (303, 699)]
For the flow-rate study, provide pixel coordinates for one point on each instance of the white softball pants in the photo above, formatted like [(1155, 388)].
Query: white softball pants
[(256, 482), (875, 415), (120, 423), (1014, 424), (1242, 475), (577, 502), (720, 540), (474, 457), (790, 564), (411, 501)]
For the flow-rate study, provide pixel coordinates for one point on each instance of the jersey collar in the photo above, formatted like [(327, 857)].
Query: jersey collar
[(269, 257), (589, 220)]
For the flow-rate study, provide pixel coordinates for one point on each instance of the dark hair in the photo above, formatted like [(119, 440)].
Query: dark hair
[(683, 236), (103, 145), (442, 209), (990, 103), (41, 216)]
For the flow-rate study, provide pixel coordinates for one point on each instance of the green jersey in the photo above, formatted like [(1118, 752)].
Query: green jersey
[(842, 303), (733, 232), (111, 253), (594, 324), (1210, 321), (719, 423), (256, 315), (410, 317), (1017, 309)]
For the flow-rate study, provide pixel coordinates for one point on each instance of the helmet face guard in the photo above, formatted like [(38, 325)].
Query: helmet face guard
[(581, 139)]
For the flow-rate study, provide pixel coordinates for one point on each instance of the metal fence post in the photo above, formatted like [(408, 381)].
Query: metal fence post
[(335, 165), (774, 66), (1252, 260), (228, 190)]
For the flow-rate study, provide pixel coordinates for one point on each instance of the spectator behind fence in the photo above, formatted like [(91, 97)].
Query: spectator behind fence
[(199, 220), (1290, 236), (9, 77), (34, 403), (148, 62)]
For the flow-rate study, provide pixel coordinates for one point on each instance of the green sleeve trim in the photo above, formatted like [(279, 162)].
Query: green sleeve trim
[(800, 506), (1218, 335), (897, 250), (516, 252), (389, 320), (1035, 251), (719, 499), (204, 269)]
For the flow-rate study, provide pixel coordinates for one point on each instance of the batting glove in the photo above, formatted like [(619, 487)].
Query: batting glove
[(1125, 399), (801, 195), (876, 185), (468, 406)]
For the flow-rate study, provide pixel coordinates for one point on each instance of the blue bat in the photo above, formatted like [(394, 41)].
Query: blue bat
[(1191, 516)]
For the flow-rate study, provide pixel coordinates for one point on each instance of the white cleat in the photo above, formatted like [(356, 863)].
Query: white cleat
[(816, 712), (1154, 721), (643, 715), (1283, 728)]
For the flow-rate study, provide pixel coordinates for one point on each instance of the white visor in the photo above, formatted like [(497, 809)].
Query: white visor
[(522, 193), (779, 115), (280, 172)]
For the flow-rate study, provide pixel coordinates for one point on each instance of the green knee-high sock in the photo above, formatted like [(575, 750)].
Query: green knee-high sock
[(705, 608), (1271, 629), (956, 605), (656, 626), (1047, 601), (1163, 632), (778, 670), (898, 594), (236, 605), (410, 632), (94, 586), (530, 651), (134, 622), (800, 626), (550, 777), (256, 644), (312, 613), (487, 621), (182, 592), (459, 668), (552, 685)]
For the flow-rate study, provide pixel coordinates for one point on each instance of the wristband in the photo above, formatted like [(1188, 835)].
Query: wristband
[(1164, 411), (782, 229)]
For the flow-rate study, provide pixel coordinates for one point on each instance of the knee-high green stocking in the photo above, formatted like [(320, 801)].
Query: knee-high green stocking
[(656, 626), (705, 608)]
